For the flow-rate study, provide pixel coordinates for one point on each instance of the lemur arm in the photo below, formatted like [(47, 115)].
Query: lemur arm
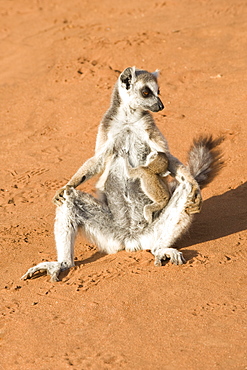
[(91, 167), (134, 172)]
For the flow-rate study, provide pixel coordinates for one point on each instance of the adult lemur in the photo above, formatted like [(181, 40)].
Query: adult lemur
[(115, 220)]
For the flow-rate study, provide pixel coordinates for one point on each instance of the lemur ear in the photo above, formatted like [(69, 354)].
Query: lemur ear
[(127, 77), (156, 73)]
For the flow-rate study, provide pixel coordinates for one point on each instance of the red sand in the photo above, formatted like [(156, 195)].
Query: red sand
[(59, 62)]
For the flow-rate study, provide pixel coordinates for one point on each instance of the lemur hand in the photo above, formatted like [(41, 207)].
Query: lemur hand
[(123, 153), (194, 203), (59, 196)]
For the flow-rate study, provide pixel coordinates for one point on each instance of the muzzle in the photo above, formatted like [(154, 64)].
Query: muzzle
[(157, 106)]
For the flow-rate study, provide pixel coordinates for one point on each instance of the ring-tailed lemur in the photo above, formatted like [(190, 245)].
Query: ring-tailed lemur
[(115, 220), (152, 184)]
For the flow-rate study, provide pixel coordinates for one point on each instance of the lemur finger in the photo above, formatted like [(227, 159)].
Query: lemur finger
[(195, 207), (157, 261), (58, 199)]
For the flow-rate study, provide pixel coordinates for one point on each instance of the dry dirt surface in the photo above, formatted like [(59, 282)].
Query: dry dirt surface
[(58, 63)]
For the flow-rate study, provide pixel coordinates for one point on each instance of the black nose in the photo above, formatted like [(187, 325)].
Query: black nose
[(160, 104), (157, 106)]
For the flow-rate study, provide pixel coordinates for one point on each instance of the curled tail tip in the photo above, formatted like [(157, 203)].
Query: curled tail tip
[(205, 159)]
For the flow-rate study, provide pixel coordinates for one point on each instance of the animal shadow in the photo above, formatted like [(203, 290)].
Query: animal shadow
[(221, 215)]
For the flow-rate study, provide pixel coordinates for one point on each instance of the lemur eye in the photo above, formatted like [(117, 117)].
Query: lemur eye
[(146, 92)]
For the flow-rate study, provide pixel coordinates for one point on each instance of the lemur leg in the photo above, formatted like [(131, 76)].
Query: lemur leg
[(164, 231), (65, 231), (79, 210), (149, 209)]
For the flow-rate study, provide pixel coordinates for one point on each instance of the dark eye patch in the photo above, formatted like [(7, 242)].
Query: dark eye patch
[(146, 92)]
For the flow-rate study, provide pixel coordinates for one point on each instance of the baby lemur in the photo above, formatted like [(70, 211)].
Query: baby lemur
[(116, 220), (152, 185)]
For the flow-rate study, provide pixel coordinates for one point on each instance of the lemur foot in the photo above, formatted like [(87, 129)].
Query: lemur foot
[(52, 268), (175, 256)]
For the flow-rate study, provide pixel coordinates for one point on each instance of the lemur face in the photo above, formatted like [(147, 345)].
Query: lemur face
[(140, 89), (147, 92)]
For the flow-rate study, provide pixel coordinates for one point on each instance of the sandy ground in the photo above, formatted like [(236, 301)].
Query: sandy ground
[(58, 63)]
